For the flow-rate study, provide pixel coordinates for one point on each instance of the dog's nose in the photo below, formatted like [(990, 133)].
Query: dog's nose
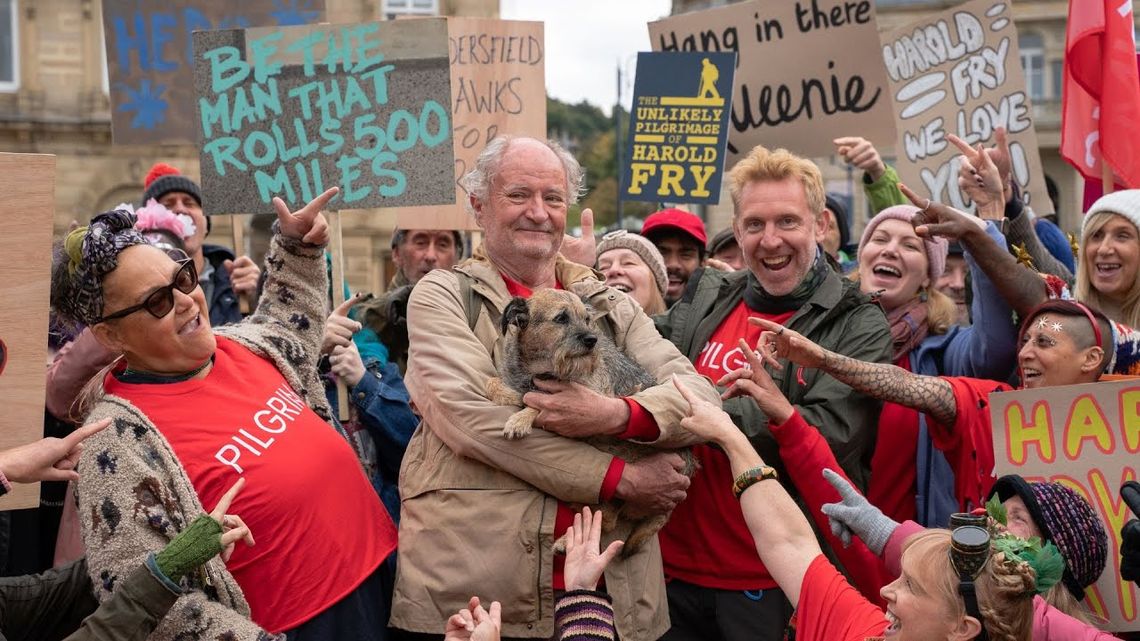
[(589, 340)]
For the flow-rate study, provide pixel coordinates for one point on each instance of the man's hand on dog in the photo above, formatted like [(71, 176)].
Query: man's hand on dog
[(576, 411), (653, 485)]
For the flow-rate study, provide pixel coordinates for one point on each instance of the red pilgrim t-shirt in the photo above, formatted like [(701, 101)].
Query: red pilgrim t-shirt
[(706, 541), (831, 610), (320, 527)]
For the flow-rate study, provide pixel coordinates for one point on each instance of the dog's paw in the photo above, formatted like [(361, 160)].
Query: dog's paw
[(559, 546), (519, 424)]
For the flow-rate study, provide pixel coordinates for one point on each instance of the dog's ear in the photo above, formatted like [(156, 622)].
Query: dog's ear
[(516, 313)]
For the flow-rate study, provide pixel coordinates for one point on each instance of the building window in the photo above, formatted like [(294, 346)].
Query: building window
[(395, 8), (1057, 71), (9, 47), (1033, 63)]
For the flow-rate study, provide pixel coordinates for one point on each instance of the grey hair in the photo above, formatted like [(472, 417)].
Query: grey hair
[(477, 182)]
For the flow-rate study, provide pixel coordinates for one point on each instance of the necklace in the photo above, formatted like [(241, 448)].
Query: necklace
[(149, 377)]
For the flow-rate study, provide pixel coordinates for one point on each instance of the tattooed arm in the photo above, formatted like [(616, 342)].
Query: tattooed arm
[(928, 394)]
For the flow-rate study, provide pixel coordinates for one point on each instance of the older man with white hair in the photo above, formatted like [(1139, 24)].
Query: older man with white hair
[(480, 513)]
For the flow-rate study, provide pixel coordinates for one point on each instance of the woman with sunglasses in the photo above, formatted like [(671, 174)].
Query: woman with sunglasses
[(197, 408), (930, 601)]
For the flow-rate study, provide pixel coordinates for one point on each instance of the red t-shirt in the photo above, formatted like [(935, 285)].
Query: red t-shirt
[(894, 478), (706, 541), (831, 610), (305, 493), (969, 443)]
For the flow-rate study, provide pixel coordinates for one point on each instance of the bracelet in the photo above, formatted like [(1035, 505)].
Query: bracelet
[(752, 477)]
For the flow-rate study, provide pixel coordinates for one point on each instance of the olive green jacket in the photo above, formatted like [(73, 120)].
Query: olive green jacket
[(839, 318)]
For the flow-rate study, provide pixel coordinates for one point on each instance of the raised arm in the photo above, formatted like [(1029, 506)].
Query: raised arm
[(1020, 286), (784, 538), (928, 394)]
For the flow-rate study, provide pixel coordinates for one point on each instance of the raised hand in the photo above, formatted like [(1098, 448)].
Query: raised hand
[(755, 382), (936, 219), (48, 459), (581, 250), (861, 154), (779, 341), (233, 528), (980, 178), (244, 275), (306, 224), (703, 418), (339, 328), (475, 623), (585, 562)]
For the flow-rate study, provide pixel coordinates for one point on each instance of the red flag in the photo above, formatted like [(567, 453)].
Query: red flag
[(1101, 97)]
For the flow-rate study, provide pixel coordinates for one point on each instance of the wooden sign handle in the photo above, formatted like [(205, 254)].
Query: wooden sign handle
[(1107, 181), (238, 228), (336, 246)]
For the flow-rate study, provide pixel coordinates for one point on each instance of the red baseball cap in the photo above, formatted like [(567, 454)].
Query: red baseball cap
[(678, 219)]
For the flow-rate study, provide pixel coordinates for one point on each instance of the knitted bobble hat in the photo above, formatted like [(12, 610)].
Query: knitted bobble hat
[(641, 246), (1125, 202), (1067, 520), (163, 179), (936, 247)]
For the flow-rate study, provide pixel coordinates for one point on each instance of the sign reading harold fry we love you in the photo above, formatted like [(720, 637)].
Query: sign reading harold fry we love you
[(293, 111), (807, 71), (149, 54), (679, 127), (959, 72)]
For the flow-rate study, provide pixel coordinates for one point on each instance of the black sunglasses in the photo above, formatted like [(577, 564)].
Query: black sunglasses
[(161, 301)]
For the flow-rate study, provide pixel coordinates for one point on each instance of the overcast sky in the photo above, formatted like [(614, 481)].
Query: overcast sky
[(586, 39)]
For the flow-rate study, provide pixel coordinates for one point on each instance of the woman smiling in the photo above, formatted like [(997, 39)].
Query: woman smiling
[(1110, 257)]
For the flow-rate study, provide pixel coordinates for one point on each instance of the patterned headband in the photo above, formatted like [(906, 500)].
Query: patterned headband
[(92, 252)]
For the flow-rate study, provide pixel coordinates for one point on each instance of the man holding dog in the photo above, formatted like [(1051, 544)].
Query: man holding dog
[(719, 589), (480, 512)]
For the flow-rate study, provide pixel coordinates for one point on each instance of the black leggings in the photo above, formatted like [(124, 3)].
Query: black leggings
[(360, 616)]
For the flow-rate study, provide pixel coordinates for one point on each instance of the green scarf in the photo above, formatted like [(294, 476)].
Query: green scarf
[(761, 301)]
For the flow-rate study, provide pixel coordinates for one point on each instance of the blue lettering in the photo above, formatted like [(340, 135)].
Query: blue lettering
[(160, 25), (399, 183), (126, 42), (270, 186), (222, 151), (443, 128)]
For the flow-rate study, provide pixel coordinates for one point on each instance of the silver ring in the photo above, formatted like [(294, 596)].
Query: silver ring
[(927, 206), (781, 331)]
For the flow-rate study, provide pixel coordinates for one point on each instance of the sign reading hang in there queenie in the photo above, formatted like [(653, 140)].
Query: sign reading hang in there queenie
[(293, 111), (1086, 437), (808, 71), (679, 127), (959, 72), (27, 206), (149, 69), (498, 86)]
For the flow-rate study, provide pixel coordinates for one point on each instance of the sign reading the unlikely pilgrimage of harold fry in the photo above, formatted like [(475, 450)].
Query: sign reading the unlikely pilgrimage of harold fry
[(149, 54), (293, 111), (679, 127), (959, 72), (498, 86), (807, 71), (27, 205), (1086, 437)]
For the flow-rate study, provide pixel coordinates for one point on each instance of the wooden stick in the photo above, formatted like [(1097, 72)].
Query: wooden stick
[(1107, 183), (336, 246), (237, 226)]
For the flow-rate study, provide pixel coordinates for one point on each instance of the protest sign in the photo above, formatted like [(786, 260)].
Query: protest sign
[(149, 69), (807, 71), (678, 128), (498, 86), (292, 111), (959, 72), (1087, 438), (27, 206)]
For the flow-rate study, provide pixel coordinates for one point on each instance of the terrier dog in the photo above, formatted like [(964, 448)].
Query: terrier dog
[(549, 337)]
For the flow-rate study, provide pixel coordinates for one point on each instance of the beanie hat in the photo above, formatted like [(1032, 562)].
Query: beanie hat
[(678, 220), (1068, 521), (640, 245), (837, 208), (1125, 202), (163, 179), (936, 247), (723, 239)]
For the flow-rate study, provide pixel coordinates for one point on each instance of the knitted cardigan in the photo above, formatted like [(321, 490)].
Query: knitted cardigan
[(134, 496)]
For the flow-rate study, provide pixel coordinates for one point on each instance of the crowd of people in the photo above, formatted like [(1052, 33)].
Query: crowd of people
[(833, 390)]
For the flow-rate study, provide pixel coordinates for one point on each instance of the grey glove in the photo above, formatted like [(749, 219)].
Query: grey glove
[(855, 515)]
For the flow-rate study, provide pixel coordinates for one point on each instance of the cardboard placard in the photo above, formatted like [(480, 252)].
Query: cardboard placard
[(27, 205), (292, 111), (678, 129), (808, 71), (959, 72), (149, 68), (1087, 438), (498, 86)]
